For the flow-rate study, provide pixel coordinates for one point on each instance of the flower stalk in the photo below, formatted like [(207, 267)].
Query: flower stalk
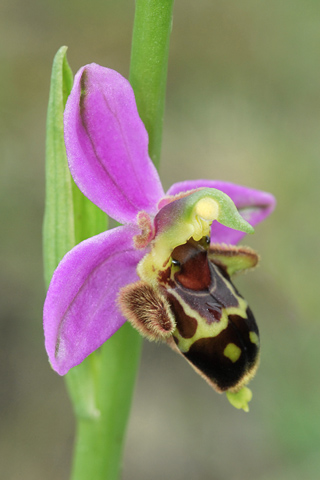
[(100, 437), (149, 65)]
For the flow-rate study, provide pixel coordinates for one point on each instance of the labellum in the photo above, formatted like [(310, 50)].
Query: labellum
[(197, 310)]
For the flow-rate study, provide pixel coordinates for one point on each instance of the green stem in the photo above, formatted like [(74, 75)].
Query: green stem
[(110, 373), (149, 64), (100, 436)]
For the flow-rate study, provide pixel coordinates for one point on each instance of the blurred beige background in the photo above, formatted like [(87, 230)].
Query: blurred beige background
[(243, 105)]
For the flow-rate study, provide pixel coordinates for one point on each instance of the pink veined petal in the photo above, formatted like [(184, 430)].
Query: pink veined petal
[(80, 311), (107, 145), (253, 205)]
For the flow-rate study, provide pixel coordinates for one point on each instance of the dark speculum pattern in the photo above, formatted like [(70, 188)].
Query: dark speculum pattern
[(200, 284), (207, 355), (187, 326)]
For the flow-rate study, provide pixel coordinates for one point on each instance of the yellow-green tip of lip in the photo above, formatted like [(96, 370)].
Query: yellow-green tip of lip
[(240, 399)]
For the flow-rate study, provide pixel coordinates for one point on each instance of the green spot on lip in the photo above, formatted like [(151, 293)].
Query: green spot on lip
[(254, 338), (232, 351)]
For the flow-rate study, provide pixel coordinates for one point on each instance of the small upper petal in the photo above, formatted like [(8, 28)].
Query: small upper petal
[(80, 311), (107, 145), (253, 205)]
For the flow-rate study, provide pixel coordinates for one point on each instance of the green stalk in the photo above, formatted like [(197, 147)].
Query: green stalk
[(100, 436), (149, 65)]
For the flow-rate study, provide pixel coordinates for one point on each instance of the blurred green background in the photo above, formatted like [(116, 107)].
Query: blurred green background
[(243, 105)]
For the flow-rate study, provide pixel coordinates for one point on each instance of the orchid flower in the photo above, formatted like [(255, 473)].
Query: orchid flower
[(167, 269)]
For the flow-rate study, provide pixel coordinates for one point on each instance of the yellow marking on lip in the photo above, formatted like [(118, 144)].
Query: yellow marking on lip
[(232, 352), (204, 329)]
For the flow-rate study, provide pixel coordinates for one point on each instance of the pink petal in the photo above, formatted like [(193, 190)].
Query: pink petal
[(253, 205), (107, 145), (80, 311)]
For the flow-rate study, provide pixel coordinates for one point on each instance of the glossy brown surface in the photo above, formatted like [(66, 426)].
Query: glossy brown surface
[(202, 287)]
